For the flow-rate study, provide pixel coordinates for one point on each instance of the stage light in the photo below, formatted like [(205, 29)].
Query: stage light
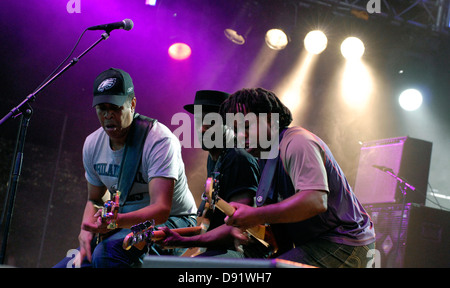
[(150, 2), (352, 48), (315, 42), (410, 99), (241, 21), (234, 36), (276, 39), (180, 51)]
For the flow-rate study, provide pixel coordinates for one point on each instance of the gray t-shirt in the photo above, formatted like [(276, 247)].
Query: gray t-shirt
[(161, 158), (308, 164)]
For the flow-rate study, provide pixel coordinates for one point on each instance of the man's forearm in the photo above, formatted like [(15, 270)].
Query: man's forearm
[(151, 212), (89, 210), (216, 238), (301, 206)]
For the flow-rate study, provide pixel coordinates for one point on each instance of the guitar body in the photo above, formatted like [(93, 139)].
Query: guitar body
[(262, 234)]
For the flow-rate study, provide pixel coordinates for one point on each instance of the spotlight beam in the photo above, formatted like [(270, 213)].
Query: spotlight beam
[(295, 88)]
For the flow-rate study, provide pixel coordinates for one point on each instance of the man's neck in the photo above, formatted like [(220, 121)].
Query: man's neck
[(215, 153), (117, 143)]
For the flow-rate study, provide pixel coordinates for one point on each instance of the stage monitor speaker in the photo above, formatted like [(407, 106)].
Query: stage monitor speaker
[(408, 158), (411, 235), (152, 261), (390, 222)]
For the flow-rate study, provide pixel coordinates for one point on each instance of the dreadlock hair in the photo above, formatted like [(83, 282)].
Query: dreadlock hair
[(256, 100)]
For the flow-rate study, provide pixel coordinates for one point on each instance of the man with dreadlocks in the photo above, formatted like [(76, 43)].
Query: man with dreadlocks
[(303, 193)]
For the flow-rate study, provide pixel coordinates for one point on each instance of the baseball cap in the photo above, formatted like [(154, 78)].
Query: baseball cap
[(112, 86)]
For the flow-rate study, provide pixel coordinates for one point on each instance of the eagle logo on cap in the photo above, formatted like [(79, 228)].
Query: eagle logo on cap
[(106, 84)]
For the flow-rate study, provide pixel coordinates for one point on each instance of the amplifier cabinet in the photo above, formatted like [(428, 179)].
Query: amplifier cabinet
[(390, 222), (407, 158), (411, 235)]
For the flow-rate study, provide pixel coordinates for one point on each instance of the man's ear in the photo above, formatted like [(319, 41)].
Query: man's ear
[(133, 104)]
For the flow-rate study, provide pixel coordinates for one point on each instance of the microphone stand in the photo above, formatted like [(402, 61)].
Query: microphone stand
[(403, 185), (25, 111)]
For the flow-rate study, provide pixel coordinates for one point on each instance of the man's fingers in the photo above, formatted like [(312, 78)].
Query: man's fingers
[(85, 252)]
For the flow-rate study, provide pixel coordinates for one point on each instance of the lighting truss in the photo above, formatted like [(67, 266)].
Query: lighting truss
[(428, 14)]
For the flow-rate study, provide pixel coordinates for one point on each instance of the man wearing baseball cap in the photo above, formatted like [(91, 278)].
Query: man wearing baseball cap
[(139, 157)]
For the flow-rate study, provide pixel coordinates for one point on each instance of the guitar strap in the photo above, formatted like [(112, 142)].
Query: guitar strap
[(132, 154), (217, 167), (265, 188)]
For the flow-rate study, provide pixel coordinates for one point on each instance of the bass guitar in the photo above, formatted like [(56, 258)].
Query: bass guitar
[(145, 232), (261, 233), (109, 212)]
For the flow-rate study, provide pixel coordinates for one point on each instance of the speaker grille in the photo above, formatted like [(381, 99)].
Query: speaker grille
[(391, 223)]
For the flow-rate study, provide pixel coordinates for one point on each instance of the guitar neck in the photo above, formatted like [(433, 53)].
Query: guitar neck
[(258, 232), (225, 207), (139, 241), (187, 231)]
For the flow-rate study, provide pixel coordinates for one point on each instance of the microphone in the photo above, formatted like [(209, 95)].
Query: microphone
[(126, 24)]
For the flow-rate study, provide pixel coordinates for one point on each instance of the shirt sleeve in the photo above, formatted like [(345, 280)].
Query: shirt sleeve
[(163, 157), (90, 174), (303, 159)]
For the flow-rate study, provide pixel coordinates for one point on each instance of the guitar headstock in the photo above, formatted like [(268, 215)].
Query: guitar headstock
[(212, 189), (139, 233)]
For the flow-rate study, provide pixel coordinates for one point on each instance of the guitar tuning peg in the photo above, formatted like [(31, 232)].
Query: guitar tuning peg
[(142, 226), (134, 229), (149, 223)]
